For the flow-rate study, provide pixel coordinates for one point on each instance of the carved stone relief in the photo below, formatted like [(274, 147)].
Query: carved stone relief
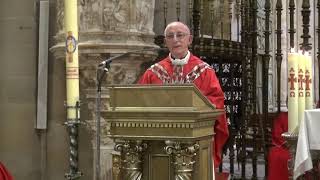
[(136, 16), (144, 15), (115, 15), (115, 20), (107, 28), (60, 16), (90, 15)]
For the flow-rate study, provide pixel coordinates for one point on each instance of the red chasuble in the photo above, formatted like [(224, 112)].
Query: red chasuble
[(4, 173), (203, 76), (279, 154)]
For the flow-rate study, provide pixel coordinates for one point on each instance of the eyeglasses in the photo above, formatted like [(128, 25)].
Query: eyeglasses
[(178, 35)]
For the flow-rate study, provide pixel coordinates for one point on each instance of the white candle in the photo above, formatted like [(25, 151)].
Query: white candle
[(293, 59), (72, 62), (308, 82), (301, 86)]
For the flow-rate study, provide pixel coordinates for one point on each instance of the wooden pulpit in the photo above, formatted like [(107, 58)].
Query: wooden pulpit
[(162, 132)]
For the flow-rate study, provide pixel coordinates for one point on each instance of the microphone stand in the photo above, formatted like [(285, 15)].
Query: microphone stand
[(104, 66), (105, 69)]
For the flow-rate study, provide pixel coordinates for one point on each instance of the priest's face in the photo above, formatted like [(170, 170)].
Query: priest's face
[(178, 38)]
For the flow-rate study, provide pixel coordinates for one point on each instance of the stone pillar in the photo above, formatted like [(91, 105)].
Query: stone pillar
[(108, 28), (285, 48)]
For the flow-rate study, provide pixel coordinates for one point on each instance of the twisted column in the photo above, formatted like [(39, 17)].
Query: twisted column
[(73, 126), (278, 51), (291, 29), (265, 72)]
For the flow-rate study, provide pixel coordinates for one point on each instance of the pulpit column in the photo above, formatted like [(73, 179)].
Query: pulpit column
[(131, 153), (183, 155)]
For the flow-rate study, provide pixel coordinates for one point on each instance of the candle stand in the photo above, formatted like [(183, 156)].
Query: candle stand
[(292, 139)]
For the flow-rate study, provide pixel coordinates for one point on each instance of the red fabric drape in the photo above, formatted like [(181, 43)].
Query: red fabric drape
[(279, 154), (4, 173)]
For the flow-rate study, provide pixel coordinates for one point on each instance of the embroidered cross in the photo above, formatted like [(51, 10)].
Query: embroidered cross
[(292, 79), (300, 79), (308, 81)]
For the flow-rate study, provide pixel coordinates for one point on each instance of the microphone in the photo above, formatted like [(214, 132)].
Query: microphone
[(106, 63)]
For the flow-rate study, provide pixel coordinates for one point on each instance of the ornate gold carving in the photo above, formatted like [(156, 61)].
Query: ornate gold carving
[(116, 165), (146, 124), (183, 158), (131, 158)]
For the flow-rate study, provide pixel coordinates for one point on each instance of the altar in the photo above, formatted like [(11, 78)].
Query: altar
[(308, 140)]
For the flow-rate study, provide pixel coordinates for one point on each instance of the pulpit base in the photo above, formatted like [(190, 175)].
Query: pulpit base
[(292, 139), (164, 159)]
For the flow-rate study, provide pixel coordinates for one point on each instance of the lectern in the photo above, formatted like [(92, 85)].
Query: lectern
[(162, 132)]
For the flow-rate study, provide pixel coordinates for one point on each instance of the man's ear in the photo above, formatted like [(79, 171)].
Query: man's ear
[(190, 39)]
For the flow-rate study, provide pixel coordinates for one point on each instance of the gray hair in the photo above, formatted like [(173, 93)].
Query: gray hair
[(175, 23)]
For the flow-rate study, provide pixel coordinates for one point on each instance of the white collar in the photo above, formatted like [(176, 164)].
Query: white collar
[(180, 62)]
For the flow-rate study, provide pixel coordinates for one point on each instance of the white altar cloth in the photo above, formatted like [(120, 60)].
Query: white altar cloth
[(309, 139)]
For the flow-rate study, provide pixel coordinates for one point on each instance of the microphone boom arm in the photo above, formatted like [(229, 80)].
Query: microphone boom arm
[(104, 66), (109, 60)]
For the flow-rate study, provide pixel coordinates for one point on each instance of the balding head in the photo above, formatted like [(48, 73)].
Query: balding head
[(177, 24), (177, 39)]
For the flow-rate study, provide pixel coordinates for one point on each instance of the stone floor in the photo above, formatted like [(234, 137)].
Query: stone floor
[(237, 168)]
